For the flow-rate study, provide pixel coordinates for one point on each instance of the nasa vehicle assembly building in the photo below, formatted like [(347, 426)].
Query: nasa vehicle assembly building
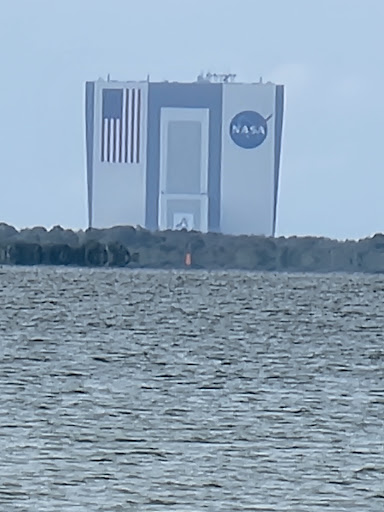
[(167, 155)]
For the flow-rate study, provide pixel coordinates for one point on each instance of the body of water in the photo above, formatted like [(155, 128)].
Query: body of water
[(189, 391)]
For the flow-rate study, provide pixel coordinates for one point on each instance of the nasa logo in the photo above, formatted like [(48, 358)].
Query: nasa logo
[(249, 129)]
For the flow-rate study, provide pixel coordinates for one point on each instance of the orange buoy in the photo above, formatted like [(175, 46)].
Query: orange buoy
[(188, 259)]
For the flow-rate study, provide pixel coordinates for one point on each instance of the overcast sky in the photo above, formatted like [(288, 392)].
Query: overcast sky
[(328, 53)]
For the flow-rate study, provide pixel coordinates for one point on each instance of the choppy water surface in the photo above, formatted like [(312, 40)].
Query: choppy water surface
[(165, 391)]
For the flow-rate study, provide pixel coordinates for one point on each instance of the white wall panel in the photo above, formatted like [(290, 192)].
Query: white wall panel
[(119, 189), (247, 177)]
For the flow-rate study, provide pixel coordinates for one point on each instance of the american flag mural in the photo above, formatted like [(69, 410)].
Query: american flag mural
[(120, 129)]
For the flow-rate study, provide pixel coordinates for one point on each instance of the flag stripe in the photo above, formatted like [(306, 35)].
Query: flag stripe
[(113, 137), (127, 124), (104, 144), (123, 128), (133, 125), (103, 140), (134, 130), (121, 125), (117, 141), (129, 121), (138, 126), (110, 140)]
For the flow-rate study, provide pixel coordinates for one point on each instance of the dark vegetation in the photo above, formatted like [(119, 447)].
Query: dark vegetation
[(125, 246)]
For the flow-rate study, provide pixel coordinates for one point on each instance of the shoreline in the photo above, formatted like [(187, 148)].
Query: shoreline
[(125, 246)]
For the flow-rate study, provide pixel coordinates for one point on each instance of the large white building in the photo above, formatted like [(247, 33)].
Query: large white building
[(202, 155)]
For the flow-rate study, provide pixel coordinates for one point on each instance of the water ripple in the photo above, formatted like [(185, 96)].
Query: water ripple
[(159, 391)]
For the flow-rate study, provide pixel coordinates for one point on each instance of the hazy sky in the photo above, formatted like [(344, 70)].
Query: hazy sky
[(328, 53)]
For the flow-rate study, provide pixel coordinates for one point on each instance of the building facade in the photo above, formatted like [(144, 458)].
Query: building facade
[(203, 155)]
